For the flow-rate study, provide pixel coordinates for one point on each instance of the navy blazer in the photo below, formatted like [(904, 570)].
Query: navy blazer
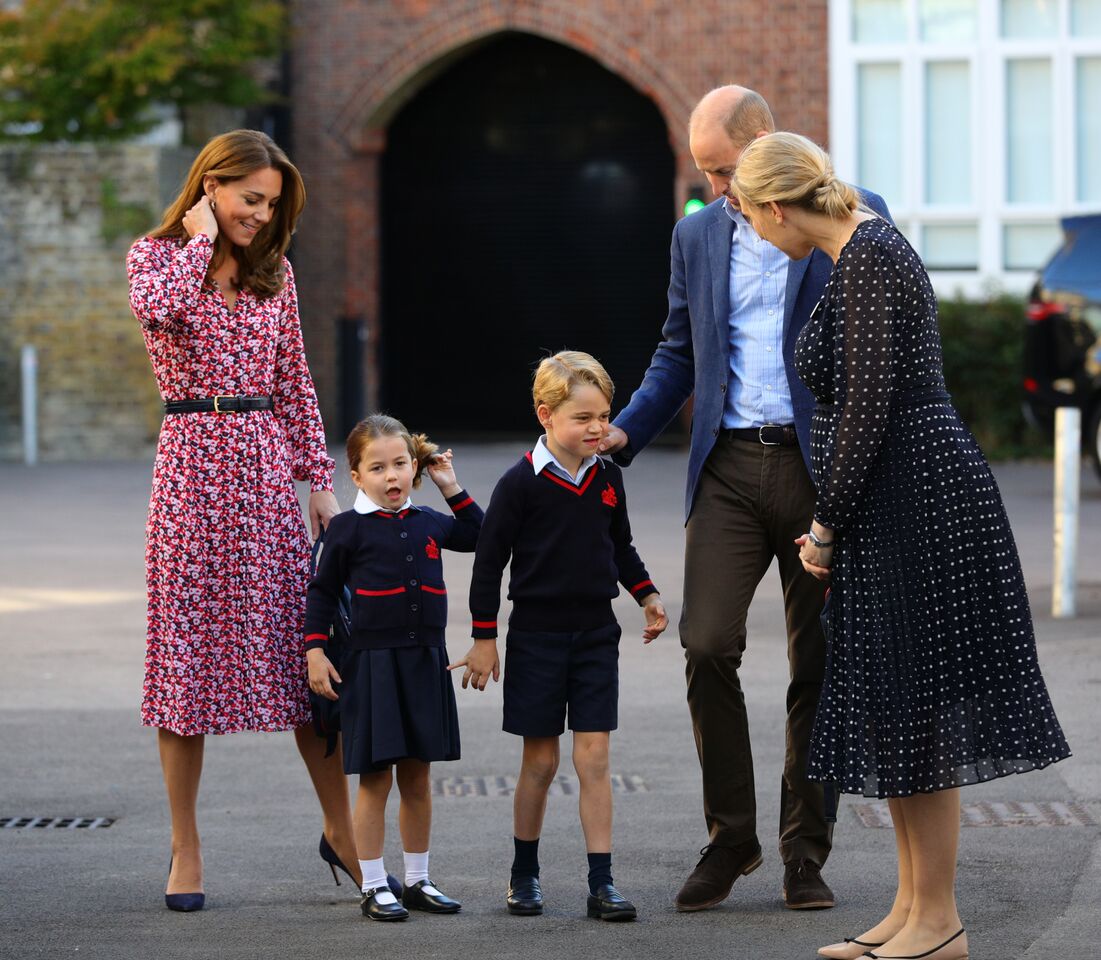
[(694, 354)]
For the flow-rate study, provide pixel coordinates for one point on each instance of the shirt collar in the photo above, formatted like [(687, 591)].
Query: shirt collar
[(541, 457), (364, 504)]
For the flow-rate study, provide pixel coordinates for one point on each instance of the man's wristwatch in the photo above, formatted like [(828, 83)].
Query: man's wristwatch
[(814, 539)]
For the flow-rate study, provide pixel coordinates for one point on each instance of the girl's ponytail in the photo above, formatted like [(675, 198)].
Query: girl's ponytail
[(422, 450)]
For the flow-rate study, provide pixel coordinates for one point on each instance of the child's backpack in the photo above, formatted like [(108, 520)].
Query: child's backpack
[(326, 713)]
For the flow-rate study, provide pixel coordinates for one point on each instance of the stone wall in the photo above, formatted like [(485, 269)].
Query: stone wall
[(68, 214)]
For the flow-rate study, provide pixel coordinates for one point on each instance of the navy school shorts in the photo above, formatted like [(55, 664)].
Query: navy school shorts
[(548, 674)]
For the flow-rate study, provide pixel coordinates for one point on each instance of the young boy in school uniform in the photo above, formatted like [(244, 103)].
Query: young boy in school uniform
[(560, 514)]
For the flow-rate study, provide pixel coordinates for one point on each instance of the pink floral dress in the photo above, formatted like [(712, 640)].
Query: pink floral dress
[(227, 551)]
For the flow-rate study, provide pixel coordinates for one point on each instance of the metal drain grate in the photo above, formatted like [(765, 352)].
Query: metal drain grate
[(506, 786), (1009, 814), (55, 823)]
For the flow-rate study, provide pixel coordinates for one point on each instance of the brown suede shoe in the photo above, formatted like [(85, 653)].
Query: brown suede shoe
[(804, 888), (710, 883)]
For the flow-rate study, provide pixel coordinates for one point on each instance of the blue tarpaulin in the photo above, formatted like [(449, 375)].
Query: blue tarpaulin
[(1076, 267)]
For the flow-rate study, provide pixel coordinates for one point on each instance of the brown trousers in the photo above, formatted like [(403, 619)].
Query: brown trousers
[(752, 502)]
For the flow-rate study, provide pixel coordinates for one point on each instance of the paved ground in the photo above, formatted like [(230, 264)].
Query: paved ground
[(71, 631)]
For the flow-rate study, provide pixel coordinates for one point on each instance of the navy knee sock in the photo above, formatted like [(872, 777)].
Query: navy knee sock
[(525, 863), (600, 870)]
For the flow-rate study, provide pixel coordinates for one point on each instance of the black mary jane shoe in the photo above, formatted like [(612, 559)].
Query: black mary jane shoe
[(609, 904), (525, 896), (416, 897), (374, 910)]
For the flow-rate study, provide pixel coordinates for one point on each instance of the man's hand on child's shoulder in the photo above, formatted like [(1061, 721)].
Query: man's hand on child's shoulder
[(656, 620), (481, 663)]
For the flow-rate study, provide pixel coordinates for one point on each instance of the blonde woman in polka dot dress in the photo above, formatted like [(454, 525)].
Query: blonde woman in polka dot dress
[(931, 678)]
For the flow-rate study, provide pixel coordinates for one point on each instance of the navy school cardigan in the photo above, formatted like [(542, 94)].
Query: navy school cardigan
[(568, 546), (391, 563)]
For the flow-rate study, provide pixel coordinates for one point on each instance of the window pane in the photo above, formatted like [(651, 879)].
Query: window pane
[(1085, 18), (1028, 124), (879, 125), (1029, 245), (1030, 18), (951, 246), (948, 132), (948, 21), (879, 21), (1089, 129)]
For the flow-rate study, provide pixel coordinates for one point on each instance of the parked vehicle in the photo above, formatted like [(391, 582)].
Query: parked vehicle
[(1063, 334)]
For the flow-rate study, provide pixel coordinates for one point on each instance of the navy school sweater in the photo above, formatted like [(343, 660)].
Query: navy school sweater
[(391, 563), (569, 545)]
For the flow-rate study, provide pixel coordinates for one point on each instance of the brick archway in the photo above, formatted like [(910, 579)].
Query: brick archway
[(458, 29), (362, 122)]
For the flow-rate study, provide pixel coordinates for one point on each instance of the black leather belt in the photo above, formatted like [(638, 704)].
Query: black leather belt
[(771, 434), (220, 404)]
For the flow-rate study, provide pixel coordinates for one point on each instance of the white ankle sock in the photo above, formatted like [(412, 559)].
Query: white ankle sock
[(416, 870), (416, 867), (374, 878)]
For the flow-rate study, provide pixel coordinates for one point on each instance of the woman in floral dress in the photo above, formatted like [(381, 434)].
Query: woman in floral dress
[(227, 555)]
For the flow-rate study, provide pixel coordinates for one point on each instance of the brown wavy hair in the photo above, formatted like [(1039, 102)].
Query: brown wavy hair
[(231, 156), (378, 425)]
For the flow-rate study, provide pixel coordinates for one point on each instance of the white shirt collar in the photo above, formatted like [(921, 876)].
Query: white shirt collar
[(364, 504), (541, 458)]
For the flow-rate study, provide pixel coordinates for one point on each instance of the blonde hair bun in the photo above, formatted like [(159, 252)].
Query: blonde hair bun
[(788, 168)]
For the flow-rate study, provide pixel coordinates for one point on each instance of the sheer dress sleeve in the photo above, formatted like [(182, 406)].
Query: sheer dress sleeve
[(864, 339), (166, 281)]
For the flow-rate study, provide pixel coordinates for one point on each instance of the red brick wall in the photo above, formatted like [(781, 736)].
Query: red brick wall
[(356, 64)]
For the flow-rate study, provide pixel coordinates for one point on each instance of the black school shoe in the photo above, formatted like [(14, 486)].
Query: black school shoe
[(609, 904), (525, 896), (374, 910), (415, 897)]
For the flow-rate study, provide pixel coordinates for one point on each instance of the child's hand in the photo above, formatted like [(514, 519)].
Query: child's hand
[(656, 620), (442, 472), (481, 663), (322, 674)]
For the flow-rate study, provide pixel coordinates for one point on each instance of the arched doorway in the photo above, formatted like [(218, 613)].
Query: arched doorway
[(527, 199)]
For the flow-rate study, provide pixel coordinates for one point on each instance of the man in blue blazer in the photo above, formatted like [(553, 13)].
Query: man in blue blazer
[(736, 306)]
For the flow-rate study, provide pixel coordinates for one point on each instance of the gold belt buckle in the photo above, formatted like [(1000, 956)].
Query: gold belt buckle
[(217, 397)]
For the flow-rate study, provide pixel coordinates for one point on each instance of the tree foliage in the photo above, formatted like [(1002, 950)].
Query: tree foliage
[(91, 69), (983, 365)]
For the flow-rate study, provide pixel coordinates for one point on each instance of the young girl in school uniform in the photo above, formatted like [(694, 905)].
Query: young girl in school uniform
[(397, 705)]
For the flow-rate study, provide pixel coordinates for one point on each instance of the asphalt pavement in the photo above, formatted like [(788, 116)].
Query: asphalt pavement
[(72, 612)]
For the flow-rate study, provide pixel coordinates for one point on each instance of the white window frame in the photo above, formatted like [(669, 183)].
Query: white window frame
[(987, 57)]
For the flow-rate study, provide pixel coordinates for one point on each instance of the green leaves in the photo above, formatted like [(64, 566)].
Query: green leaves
[(91, 69), (983, 363)]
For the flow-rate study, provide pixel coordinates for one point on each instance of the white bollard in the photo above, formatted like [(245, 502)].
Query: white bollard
[(29, 366), (1068, 464)]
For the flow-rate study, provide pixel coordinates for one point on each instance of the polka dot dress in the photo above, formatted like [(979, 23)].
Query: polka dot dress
[(931, 672)]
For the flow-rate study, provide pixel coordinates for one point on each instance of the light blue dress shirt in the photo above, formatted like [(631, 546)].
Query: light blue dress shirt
[(542, 459), (758, 391)]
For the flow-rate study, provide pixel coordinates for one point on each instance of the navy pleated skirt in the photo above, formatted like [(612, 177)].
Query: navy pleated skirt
[(397, 704)]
